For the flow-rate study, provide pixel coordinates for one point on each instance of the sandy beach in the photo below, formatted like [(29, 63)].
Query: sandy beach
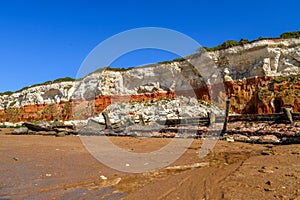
[(48, 167)]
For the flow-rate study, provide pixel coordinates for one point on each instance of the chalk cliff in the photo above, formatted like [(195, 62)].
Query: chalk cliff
[(253, 75)]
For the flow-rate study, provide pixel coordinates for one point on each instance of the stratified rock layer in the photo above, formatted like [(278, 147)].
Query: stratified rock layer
[(260, 77)]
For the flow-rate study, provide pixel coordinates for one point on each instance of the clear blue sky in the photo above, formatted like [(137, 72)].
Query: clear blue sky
[(47, 39)]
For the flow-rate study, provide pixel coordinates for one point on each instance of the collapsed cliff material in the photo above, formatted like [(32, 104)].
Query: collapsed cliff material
[(44, 128)]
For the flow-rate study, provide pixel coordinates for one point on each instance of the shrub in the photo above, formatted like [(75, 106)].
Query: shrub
[(260, 38), (225, 45), (12, 103), (6, 93), (295, 34), (243, 41), (59, 80), (116, 69), (179, 59), (165, 62), (229, 43)]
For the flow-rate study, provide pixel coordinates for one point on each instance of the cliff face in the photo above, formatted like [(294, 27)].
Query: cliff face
[(264, 94), (274, 57), (260, 66)]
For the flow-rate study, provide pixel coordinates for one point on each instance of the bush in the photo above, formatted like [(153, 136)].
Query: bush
[(116, 69), (244, 41), (260, 38), (179, 59), (295, 34), (232, 43), (66, 79), (6, 93), (59, 80), (227, 44), (165, 62)]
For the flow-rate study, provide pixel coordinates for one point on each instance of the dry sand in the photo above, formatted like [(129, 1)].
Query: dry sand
[(48, 167)]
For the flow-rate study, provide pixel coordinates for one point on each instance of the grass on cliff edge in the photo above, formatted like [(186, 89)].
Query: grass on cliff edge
[(232, 43), (59, 80)]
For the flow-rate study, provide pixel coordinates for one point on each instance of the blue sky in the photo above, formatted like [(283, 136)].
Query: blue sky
[(49, 39)]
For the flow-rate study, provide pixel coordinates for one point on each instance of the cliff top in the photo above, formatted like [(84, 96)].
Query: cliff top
[(243, 44)]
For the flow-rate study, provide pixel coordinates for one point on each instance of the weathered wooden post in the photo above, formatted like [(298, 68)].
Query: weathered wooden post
[(288, 114), (142, 120), (226, 117), (106, 118), (211, 118)]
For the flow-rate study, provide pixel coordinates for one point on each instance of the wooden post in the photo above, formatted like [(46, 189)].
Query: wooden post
[(106, 118), (288, 114), (226, 117), (211, 118), (142, 120)]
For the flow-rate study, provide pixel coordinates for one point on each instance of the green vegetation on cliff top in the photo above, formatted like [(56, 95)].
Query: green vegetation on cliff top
[(232, 43), (59, 80)]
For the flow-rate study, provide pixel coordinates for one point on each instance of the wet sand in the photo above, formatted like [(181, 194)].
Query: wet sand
[(48, 167)]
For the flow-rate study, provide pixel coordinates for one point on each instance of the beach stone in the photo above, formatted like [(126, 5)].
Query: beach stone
[(61, 134), (46, 133), (30, 132), (270, 139), (20, 131), (239, 137), (255, 138)]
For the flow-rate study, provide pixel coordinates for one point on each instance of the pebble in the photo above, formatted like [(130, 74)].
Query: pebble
[(268, 189), (268, 182), (103, 177), (229, 139)]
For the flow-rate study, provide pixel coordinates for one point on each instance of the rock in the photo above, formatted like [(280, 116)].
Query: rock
[(269, 189), (149, 88), (229, 139), (239, 137), (266, 153), (16, 158), (37, 127), (50, 133), (270, 139), (20, 131), (92, 124), (268, 182), (30, 132), (255, 138), (61, 134), (268, 170)]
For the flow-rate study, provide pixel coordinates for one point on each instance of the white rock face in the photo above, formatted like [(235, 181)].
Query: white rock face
[(261, 58), (44, 94), (265, 57)]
